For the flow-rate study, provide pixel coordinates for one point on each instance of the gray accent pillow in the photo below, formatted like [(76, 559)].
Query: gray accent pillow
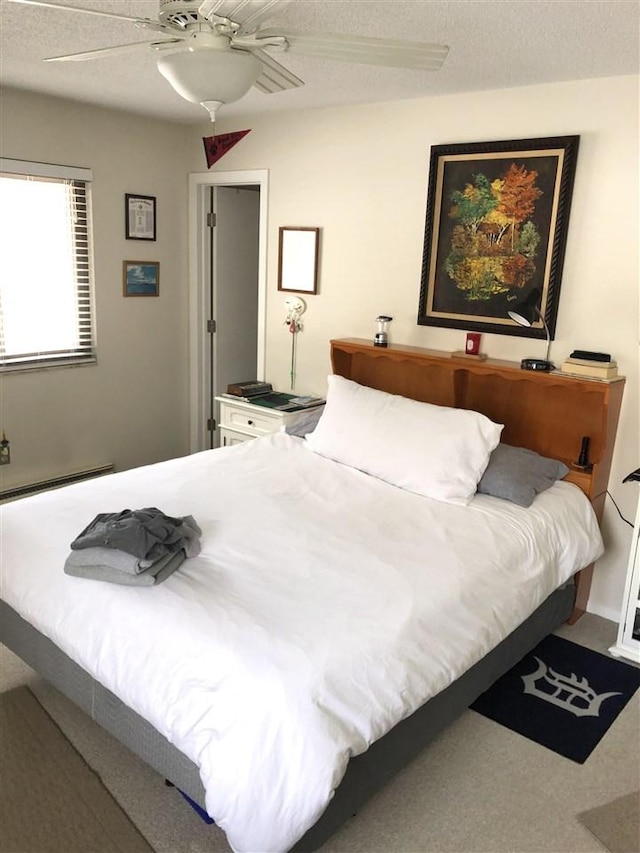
[(518, 475)]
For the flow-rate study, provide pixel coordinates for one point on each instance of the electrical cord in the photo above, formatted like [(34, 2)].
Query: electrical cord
[(626, 520)]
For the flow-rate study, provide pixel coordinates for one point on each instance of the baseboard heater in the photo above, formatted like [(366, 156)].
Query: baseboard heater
[(54, 482)]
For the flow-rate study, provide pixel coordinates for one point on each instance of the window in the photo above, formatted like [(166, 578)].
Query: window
[(45, 265)]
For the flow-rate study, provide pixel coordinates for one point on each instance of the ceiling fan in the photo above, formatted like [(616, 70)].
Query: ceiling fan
[(215, 50)]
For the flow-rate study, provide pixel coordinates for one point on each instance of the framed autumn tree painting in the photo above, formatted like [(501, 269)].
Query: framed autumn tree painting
[(495, 233)]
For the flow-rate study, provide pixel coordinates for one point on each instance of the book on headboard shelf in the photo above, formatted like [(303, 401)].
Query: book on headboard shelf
[(586, 362), (591, 356), (602, 370), (586, 371)]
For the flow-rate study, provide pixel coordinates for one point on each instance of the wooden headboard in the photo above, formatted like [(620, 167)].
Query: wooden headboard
[(547, 412)]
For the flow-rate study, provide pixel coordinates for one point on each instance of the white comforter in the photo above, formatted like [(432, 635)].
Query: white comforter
[(325, 607)]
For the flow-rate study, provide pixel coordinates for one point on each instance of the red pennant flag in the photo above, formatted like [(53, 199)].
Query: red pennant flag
[(216, 147)]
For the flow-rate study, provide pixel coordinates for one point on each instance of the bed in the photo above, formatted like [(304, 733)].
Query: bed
[(301, 659)]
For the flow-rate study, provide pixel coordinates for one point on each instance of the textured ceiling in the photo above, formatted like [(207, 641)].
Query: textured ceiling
[(493, 44)]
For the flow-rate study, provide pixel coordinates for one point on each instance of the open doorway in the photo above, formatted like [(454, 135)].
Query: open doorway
[(223, 336)]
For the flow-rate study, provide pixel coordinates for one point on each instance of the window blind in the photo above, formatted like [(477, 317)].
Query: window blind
[(46, 287)]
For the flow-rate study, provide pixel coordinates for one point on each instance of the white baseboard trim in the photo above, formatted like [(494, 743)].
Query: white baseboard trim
[(34, 487), (605, 612)]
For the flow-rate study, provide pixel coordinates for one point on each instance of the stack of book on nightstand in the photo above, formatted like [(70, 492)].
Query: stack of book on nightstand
[(595, 365)]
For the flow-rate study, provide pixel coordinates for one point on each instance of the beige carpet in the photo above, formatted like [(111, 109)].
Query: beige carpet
[(50, 799), (616, 825)]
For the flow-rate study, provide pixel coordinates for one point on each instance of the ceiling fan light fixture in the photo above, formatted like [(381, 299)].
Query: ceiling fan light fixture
[(209, 76)]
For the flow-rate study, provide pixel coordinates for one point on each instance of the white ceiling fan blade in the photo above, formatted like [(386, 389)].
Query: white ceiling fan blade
[(143, 22), (244, 12), (274, 77), (109, 51), (362, 49)]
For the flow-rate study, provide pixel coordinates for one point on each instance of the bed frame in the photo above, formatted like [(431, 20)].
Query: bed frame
[(549, 413)]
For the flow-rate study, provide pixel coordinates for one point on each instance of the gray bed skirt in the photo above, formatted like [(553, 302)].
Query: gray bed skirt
[(366, 774)]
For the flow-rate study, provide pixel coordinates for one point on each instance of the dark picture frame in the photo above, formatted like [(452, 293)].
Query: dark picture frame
[(140, 217), (495, 233), (298, 248), (140, 278)]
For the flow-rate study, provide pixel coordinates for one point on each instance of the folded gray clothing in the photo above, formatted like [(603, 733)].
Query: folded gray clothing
[(145, 533), (113, 559), (157, 573)]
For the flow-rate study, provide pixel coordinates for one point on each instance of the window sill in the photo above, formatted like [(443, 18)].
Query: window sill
[(47, 365)]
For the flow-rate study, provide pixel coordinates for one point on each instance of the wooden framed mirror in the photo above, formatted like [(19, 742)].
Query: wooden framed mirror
[(298, 259)]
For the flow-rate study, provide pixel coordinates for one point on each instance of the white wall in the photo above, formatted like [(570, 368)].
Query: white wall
[(130, 408), (360, 173)]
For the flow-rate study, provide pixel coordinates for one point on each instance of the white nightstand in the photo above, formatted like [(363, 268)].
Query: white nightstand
[(241, 421), (628, 642)]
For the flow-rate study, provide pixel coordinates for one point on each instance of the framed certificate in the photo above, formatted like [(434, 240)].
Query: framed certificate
[(140, 217)]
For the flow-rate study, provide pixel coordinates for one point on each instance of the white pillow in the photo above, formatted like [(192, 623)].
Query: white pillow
[(433, 451)]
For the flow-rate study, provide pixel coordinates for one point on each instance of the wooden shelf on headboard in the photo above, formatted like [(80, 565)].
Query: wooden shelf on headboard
[(547, 412)]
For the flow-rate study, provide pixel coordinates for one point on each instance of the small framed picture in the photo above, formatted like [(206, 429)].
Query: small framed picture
[(140, 217), (140, 278), (298, 259)]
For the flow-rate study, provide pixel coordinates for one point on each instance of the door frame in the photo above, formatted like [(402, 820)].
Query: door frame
[(199, 184)]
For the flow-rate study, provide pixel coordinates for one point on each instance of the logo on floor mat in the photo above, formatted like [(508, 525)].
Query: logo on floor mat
[(570, 692)]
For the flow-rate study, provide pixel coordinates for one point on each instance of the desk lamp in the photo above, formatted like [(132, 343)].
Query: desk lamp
[(525, 313)]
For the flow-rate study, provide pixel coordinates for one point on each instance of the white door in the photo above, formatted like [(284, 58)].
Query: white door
[(234, 292), (204, 379)]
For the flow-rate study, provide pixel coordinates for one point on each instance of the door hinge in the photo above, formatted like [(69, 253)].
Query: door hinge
[(211, 326), (211, 424), (211, 220)]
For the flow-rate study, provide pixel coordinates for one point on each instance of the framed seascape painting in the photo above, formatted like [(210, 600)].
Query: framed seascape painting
[(495, 233), (140, 278)]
